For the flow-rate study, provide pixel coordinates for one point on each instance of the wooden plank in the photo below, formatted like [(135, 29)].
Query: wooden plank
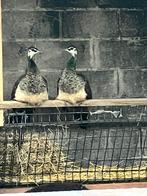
[(1, 68), (13, 190), (90, 102), (116, 185)]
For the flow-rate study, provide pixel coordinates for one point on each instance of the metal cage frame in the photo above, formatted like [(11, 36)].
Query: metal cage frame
[(58, 144)]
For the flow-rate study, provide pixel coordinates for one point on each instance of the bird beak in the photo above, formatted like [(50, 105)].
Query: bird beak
[(66, 50), (40, 52)]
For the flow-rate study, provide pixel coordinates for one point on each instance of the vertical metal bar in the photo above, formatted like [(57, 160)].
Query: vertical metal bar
[(98, 150), (13, 143), (1, 67), (142, 153), (67, 155), (113, 150), (82, 156), (36, 174), (77, 139), (119, 157), (54, 146), (128, 150), (60, 153), (4, 165), (89, 160), (44, 153), (105, 153), (29, 154), (135, 151)]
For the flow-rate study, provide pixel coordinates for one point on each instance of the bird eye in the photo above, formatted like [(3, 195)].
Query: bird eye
[(71, 48), (34, 50)]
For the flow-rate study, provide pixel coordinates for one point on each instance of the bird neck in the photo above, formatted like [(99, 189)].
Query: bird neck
[(72, 63), (32, 67)]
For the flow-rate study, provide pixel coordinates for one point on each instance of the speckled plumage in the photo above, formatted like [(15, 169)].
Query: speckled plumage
[(33, 83), (70, 82), (73, 87)]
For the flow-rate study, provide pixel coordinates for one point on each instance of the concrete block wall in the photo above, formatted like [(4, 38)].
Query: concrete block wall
[(110, 36)]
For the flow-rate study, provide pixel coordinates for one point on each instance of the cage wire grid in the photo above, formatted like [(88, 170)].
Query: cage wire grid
[(84, 144)]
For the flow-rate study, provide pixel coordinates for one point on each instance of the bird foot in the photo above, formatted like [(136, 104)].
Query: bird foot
[(80, 102)]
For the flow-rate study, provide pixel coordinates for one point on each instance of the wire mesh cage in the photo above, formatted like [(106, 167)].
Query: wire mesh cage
[(84, 144)]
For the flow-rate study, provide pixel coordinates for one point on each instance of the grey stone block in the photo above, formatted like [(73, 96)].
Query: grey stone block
[(133, 54), (7, 4), (131, 23), (121, 54), (19, 4), (35, 24), (7, 22), (25, 4), (106, 3), (130, 83), (67, 3), (107, 54), (122, 3), (83, 24), (94, 3), (144, 27), (144, 82), (103, 83)]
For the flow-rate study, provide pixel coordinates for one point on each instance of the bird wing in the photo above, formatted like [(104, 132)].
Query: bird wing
[(88, 90), (15, 86), (87, 87), (58, 85), (58, 81)]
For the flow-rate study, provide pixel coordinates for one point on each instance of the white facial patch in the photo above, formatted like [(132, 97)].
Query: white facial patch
[(72, 51), (31, 53)]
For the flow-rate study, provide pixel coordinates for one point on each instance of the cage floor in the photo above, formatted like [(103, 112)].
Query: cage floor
[(98, 173)]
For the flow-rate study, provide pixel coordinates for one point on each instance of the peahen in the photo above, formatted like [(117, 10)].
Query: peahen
[(31, 87), (73, 87)]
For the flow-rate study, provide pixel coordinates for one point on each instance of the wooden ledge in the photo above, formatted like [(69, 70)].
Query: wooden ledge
[(90, 102)]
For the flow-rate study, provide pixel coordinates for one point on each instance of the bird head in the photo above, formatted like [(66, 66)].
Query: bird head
[(32, 51), (72, 50)]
